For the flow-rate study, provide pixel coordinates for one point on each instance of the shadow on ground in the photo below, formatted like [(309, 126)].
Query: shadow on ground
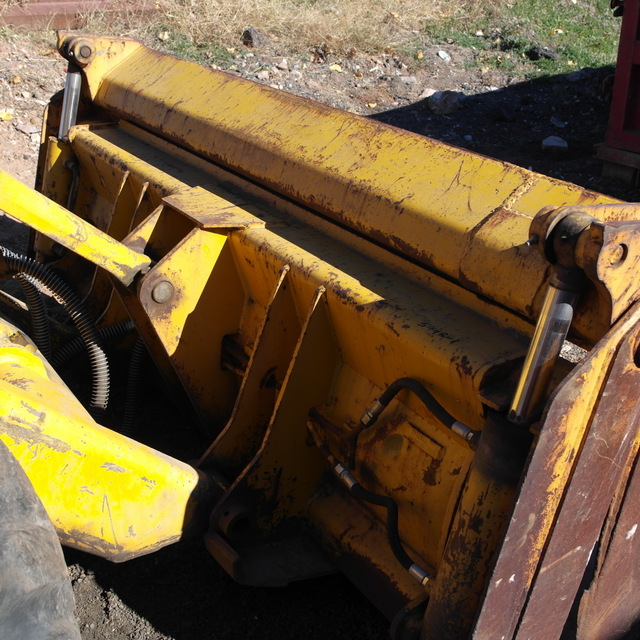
[(511, 123)]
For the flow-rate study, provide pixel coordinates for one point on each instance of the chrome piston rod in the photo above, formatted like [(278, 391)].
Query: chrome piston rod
[(70, 101), (549, 335)]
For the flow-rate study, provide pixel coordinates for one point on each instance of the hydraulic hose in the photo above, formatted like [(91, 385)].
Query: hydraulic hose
[(134, 375), (38, 313), (347, 478), (61, 291), (75, 346), (434, 407)]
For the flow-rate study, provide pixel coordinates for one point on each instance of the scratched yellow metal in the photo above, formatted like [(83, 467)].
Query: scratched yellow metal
[(109, 52), (324, 316), (104, 492), (357, 171), (47, 217)]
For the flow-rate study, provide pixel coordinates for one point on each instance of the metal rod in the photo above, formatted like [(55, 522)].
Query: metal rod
[(549, 335), (70, 101)]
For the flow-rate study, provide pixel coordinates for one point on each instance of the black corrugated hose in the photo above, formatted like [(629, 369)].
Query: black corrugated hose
[(38, 314), (61, 291), (134, 376), (75, 346)]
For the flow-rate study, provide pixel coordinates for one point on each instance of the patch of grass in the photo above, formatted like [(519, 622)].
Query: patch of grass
[(296, 25), (181, 46), (579, 33)]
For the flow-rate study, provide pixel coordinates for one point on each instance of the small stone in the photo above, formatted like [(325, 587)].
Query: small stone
[(443, 55), (283, 65), (27, 129), (263, 75), (408, 79), (253, 38), (443, 103), (314, 86), (26, 95), (538, 53), (556, 122), (427, 93), (555, 145), (468, 138)]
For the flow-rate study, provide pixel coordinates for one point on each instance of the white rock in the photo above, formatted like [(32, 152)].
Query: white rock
[(444, 56), (443, 103), (283, 65), (408, 79), (554, 144), (263, 75), (427, 93)]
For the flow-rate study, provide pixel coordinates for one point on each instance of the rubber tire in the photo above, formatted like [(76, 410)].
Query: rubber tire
[(36, 599)]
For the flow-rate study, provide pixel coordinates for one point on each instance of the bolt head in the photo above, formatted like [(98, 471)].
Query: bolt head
[(162, 292)]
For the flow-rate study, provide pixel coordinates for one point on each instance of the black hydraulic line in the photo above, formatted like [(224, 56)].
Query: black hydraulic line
[(38, 314), (15, 264), (359, 492), (347, 478), (439, 412), (75, 346), (134, 375)]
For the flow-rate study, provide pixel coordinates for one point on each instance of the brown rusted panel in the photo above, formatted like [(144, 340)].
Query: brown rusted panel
[(58, 14), (602, 463), (611, 606), (555, 455)]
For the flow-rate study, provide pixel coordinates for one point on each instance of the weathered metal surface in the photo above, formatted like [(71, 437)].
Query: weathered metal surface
[(485, 503), (357, 542), (301, 265), (111, 496), (548, 480), (610, 608), (51, 14), (266, 369), (190, 325), (479, 209), (603, 462), (49, 218)]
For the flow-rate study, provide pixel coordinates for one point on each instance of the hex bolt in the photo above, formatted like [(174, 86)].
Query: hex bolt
[(162, 292)]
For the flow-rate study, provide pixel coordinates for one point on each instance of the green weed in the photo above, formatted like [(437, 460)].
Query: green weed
[(573, 33)]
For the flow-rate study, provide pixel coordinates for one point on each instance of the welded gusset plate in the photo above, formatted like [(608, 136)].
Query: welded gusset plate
[(587, 444)]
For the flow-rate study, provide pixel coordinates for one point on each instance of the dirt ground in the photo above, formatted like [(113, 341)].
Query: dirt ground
[(180, 592)]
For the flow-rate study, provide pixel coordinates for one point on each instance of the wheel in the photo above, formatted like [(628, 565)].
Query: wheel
[(36, 600)]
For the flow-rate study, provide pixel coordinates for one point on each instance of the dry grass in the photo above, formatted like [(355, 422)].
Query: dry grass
[(364, 25)]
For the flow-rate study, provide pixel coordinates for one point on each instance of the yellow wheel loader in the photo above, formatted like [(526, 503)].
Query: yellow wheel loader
[(368, 327)]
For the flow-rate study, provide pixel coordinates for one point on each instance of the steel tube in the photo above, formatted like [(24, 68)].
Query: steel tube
[(70, 101), (549, 335)]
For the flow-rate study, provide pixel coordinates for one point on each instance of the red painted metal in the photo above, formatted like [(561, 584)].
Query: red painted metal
[(57, 14), (624, 118)]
